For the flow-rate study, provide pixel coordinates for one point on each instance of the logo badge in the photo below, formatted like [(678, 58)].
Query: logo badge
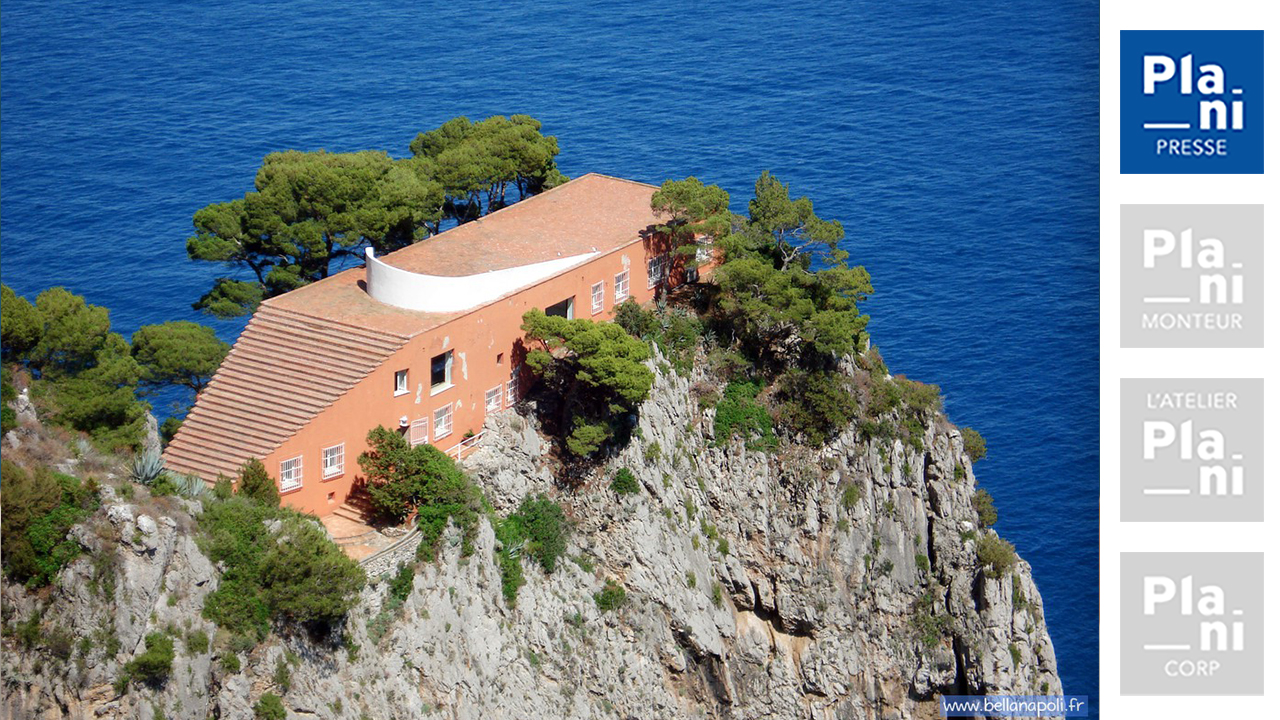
[(1191, 276), (1191, 450), (1191, 101), (1191, 624)]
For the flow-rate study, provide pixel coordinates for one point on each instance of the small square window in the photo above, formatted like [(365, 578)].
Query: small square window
[(622, 285), (443, 421), (597, 298), (402, 382), (333, 460), (291, 474), (442, 370), (501, 357)]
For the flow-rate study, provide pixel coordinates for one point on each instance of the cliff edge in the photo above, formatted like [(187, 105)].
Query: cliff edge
[(834, 582)]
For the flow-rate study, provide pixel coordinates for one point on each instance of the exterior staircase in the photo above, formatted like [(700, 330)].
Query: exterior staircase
[(357, 507)]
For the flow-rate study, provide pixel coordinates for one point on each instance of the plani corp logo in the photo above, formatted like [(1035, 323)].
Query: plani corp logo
[(1191, 101)]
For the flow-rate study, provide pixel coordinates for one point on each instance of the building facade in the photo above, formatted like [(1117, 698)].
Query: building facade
[(426, 339)]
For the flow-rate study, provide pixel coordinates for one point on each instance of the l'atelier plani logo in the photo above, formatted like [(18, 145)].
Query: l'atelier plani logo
[(1191, 101)]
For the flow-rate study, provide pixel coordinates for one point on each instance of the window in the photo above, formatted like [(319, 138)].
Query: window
[(513, 386), (332, 460), (704, 250), (658, 270), (500, 357), (291, 474), (493, 399), (597, 298), (402, 382), (443, 421), (622, 285), (442, 371), (418, 431), (563, 309)]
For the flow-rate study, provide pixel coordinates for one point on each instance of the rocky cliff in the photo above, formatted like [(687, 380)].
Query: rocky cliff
[(840, 582)]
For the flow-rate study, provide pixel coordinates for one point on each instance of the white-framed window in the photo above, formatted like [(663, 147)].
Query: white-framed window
[(443, 421), (493, 399), (442, 371), (291, 474), (597, 298), (513, 386), (402, 382), (333, 460), (418, 431), (704, 249), (658, 270), (622, 285)]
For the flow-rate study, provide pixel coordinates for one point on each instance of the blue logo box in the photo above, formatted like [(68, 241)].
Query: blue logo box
[(1191, 101)]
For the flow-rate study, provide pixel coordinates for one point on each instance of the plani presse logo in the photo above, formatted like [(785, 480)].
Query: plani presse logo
[(1191, 101)]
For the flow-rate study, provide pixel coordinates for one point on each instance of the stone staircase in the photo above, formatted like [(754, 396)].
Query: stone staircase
[(358, 506)]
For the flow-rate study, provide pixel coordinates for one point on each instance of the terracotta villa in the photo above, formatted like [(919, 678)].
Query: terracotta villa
[(426, 339)]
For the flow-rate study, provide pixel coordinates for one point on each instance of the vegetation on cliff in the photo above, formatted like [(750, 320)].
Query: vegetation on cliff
[(309, 212)]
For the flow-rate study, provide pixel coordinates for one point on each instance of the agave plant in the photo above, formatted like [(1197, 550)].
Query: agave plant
[(190, 486), (147, 468)]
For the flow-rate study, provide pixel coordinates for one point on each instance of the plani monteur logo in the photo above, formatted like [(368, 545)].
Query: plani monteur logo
[(1191, 101)]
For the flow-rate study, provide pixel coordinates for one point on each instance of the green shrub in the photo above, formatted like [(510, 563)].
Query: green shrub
[(652, 452), (818, 405), (230, 662), (292, 573), (281, 676), (691, 579), (401, 584), (636, 319), (37, 510), (8, 417), (537, 529), (154, 664), (921, 398), (740, 413), (985, 507), (257, 485), (624, 482), (930, 627), (401, 478), (222, 489), (269, 707), (197, 642), (850, 496), (541, 523), (996, 553), (975, 446), (922, 563), (611, 597)]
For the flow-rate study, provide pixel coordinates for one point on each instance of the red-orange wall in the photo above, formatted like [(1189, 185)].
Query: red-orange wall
[(476, 338)]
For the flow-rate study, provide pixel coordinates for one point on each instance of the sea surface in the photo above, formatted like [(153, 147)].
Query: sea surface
[(957, 142)]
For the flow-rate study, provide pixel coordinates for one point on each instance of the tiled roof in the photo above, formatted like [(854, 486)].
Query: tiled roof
[(284, 370), (589, 213)]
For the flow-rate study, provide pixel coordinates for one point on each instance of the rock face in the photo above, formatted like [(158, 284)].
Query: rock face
[(833, 583)]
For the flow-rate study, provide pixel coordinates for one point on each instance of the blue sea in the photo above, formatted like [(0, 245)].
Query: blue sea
[(957, 142)]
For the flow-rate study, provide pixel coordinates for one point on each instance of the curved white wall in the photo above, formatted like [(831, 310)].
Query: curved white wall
[(440, 293)]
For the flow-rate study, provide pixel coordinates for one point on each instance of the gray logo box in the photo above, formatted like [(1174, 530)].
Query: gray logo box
[(1191, 276), (1191, 624), (1191, 450)]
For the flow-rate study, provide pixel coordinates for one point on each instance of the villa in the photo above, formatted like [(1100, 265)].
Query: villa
[(426, 339)]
